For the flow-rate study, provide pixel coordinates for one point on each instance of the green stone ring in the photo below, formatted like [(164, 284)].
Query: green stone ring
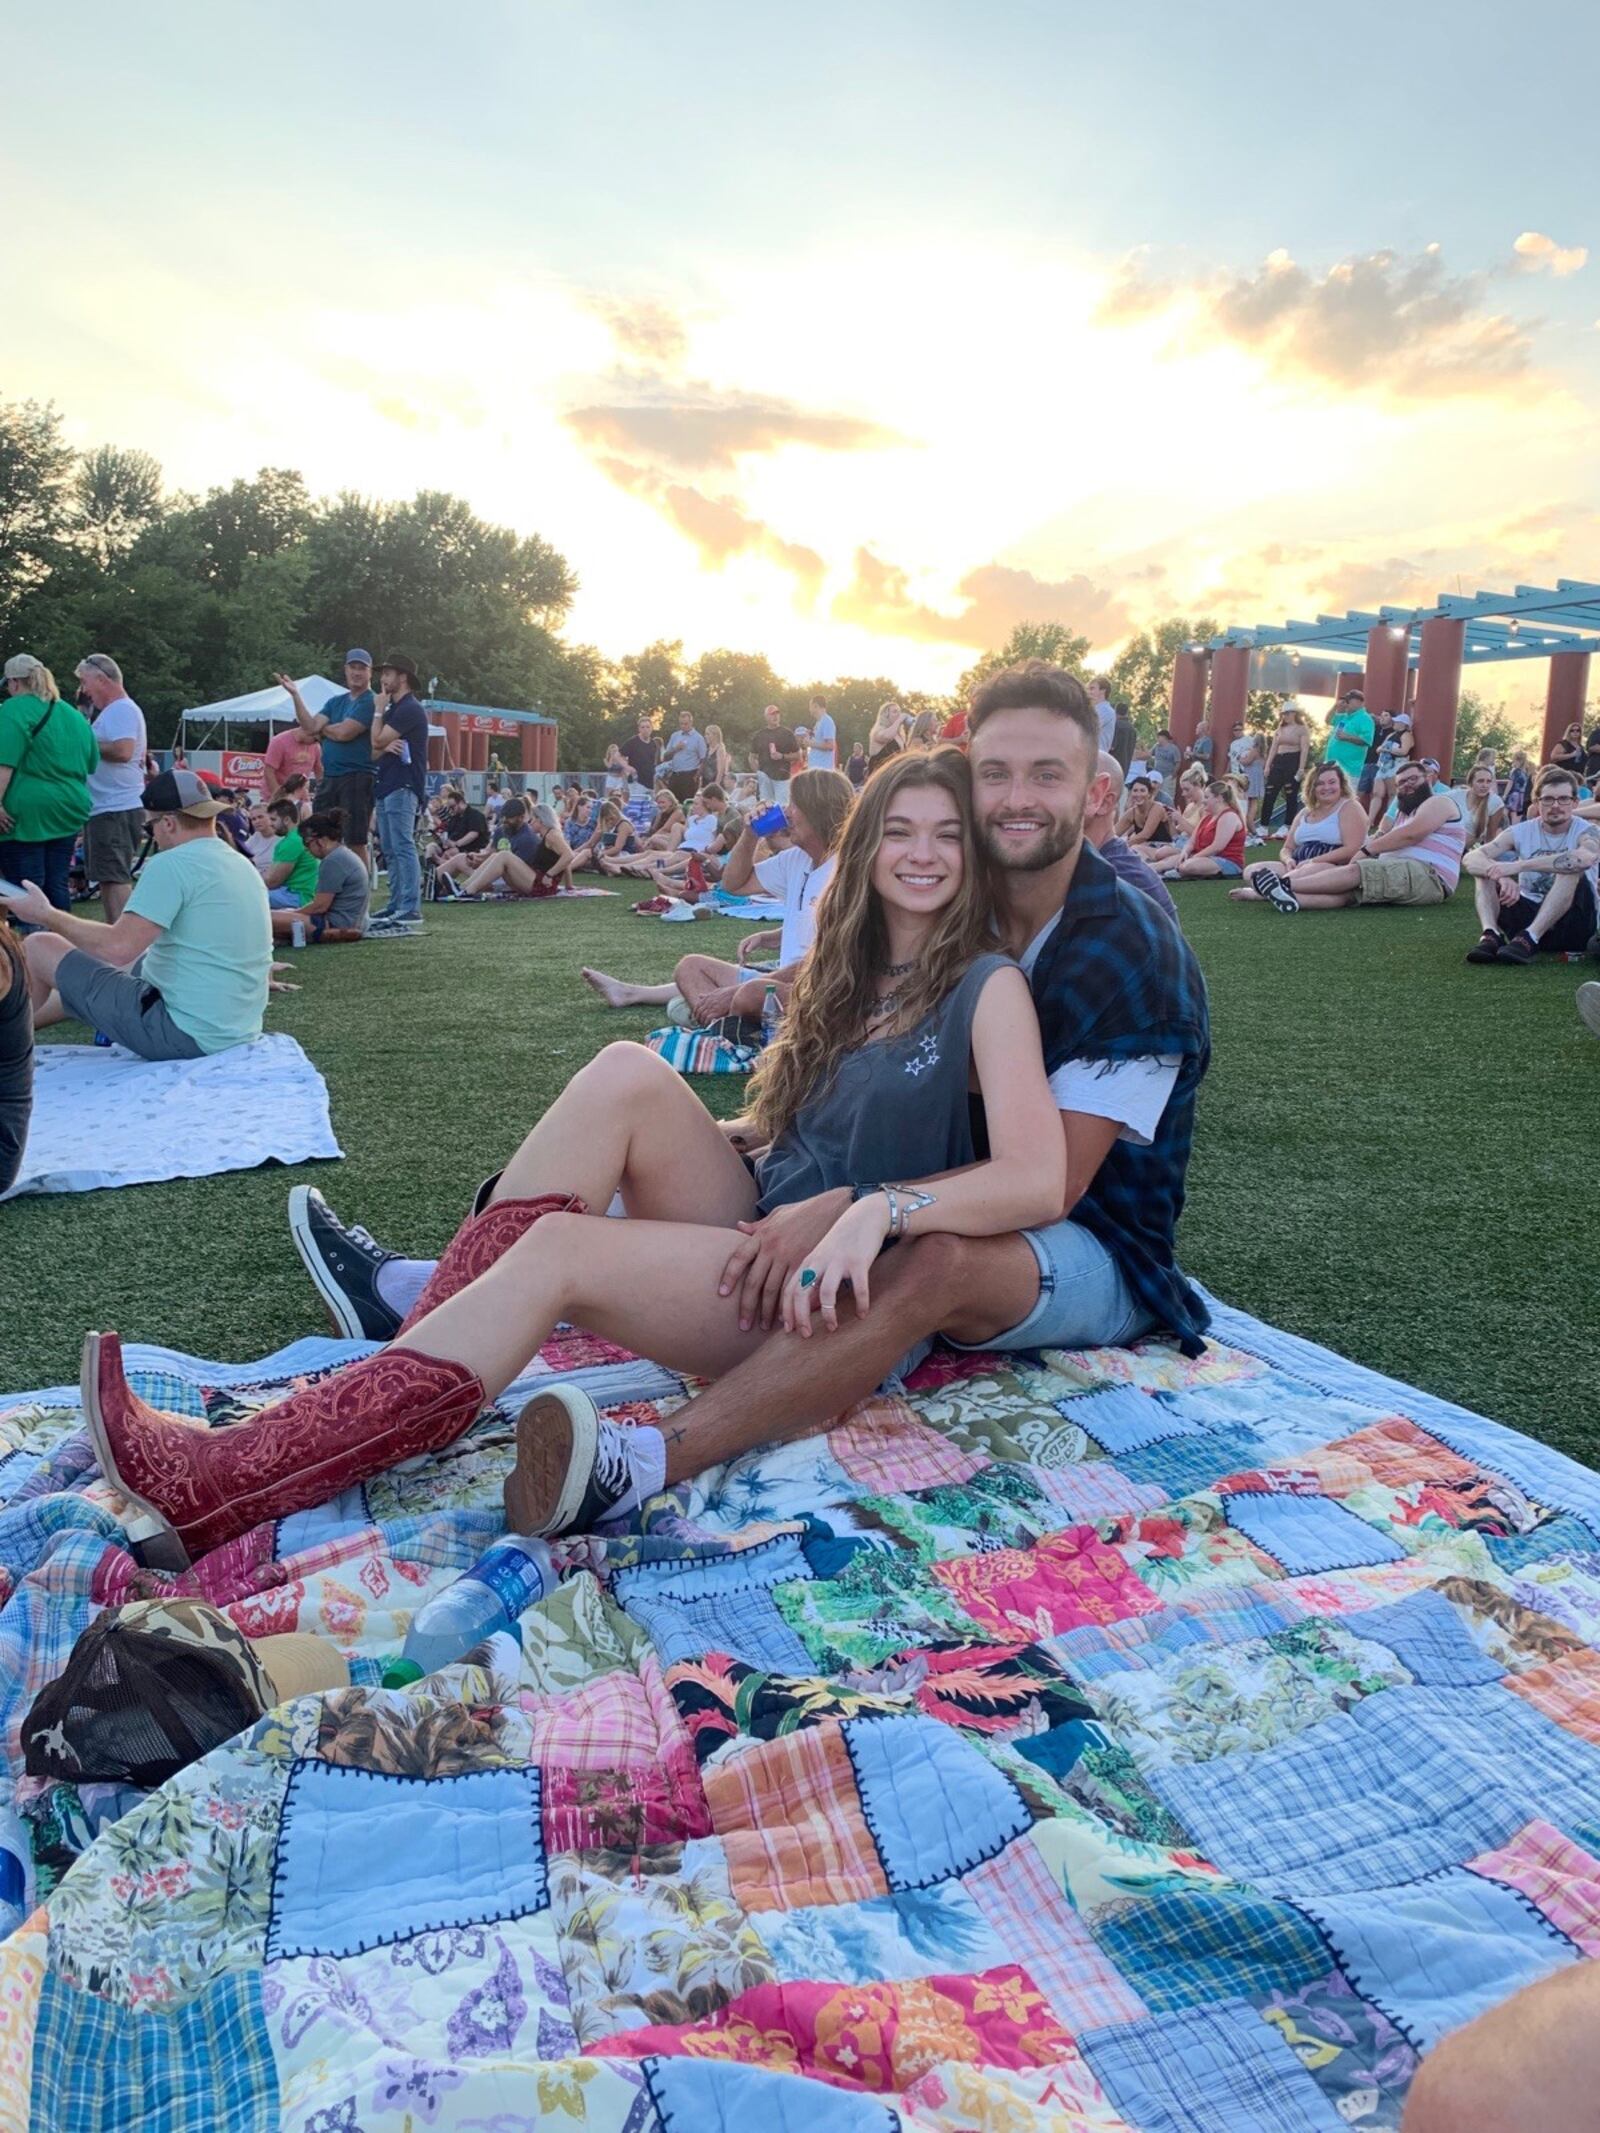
[(808, 1276)]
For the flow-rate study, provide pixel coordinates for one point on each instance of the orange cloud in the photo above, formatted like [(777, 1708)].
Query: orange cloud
[(641, 327), (995, 598), (715, 524), (1537, 254), (1404, 327), (693, 425)]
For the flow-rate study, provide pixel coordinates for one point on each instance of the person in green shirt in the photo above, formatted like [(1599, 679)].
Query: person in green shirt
[(47, 750), (1350, 731), (291, 879)]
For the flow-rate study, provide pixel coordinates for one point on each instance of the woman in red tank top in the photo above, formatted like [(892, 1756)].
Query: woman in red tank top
[(1216, 850)]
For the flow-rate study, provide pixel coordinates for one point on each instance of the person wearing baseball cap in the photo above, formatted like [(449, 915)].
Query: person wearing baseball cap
[(183, 972), (400, 753), (152, 1686), (344, 728), (47, 756)]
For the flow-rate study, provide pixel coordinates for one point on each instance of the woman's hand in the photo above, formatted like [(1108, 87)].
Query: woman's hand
[(845, 1255), (773, 1247)]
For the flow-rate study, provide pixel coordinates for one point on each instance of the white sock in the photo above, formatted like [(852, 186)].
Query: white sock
[(645, 1450), (401, 1281)]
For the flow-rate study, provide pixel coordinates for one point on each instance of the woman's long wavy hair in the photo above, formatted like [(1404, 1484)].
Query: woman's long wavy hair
[(832, 997)]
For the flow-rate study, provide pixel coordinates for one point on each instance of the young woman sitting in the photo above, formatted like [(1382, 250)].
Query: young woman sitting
[(1328, 831), (705, 843), (1145, 820), (614, 838), (534, 860), (1216, 843), (901, 1012), (1486, 812)]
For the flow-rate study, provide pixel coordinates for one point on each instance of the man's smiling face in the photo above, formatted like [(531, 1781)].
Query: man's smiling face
[(1030, 780)]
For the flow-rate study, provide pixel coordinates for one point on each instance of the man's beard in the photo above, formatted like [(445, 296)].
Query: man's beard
[(1056, 839), (1407, 802)]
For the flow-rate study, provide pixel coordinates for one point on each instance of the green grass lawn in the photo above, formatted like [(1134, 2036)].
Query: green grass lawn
[(1388, 1160)]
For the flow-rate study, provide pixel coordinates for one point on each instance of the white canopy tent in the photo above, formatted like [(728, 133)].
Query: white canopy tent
[(268, 707)]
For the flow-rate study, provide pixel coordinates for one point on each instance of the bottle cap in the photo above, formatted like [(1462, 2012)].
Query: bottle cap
[(400, 1673)]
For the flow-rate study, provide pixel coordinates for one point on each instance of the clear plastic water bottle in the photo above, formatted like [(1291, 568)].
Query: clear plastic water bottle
[(297, 933), (504, 1580), (771, 1014)]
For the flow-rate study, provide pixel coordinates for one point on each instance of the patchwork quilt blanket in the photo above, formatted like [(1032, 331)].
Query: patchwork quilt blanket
[(1092, 1743)]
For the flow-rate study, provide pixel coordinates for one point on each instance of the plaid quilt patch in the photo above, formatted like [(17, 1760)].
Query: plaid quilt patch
[(1108, 1742)]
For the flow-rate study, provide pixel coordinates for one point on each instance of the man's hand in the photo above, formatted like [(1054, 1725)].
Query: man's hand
[(32, 907), (1508, 889), (285, 682), (715, 1004), (771, 1249), (7, 823)]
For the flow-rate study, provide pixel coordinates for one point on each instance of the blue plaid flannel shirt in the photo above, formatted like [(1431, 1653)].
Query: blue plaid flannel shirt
[(1117, 980)]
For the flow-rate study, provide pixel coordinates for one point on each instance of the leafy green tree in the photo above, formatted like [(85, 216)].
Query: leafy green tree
[(216, 537), (35, 499), (732, 690), (1055, 641), (116, 496), (648, 683), (1141, 674), (1483, 725)]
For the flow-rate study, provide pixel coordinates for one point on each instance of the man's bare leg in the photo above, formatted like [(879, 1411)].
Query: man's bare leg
[(41, 958), (969, 1287), (114, 896), (1531, 2063)]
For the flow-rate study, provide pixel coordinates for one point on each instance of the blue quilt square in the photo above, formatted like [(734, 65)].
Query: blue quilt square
[(1122, 1418), (1399, 1786), (204, 2063), (711, 2096), (1218, 2069), (917, 1933), (1308, 1533), (720, 1603), (1192, 1946), (1557, 1537), (1181, 1465), (1432, 1956), (364, 1858), (935, 1806), (1429, 1638)]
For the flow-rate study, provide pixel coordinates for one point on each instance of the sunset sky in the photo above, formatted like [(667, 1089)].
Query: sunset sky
[(855, 333)]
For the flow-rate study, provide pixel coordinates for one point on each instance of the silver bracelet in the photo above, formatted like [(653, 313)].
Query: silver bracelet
[(902, 1209)]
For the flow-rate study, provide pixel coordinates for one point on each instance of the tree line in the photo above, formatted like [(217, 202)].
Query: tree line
[(204, 597)]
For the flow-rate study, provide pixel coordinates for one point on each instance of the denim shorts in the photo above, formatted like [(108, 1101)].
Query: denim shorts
[(1084, 1299)]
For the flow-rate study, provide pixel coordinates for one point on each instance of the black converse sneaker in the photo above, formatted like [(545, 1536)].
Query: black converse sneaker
[(343, 1260)]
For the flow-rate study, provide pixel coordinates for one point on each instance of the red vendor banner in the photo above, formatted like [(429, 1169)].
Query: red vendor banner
[(243, 771)]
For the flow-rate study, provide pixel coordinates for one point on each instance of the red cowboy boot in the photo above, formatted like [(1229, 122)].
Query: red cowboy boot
[(487, 1235), (207, 1486)]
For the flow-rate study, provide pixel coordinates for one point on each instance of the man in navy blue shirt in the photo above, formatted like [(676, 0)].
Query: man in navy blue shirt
[(400, 761)]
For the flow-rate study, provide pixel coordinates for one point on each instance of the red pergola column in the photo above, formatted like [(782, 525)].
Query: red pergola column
[(1565, 697), (1388, 663), (1439, 689), (548, 736), (1188, 697), (1351, 678), (451, 722), (528, 742), (1230, 691)]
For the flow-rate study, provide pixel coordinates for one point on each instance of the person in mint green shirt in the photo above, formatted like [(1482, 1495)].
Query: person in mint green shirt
[(291, 878), (47, 750), (1350, 731), (183, 972)]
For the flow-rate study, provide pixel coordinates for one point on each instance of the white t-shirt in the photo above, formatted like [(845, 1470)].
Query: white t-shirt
[(818, 756), (1529, 839), (798, 881), (698, 835), (115, 787), (1134, 1092), (1237, 751)]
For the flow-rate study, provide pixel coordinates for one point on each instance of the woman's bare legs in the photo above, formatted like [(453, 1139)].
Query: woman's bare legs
[(650, 1285), (626, 1122)]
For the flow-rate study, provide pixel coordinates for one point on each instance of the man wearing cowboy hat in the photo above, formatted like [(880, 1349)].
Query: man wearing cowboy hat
[(183, 971)]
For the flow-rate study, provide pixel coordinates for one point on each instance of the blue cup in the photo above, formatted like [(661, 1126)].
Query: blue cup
[(769, 821)]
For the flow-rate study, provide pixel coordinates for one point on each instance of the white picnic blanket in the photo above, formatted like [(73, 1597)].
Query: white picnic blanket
[(102, 1117)]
